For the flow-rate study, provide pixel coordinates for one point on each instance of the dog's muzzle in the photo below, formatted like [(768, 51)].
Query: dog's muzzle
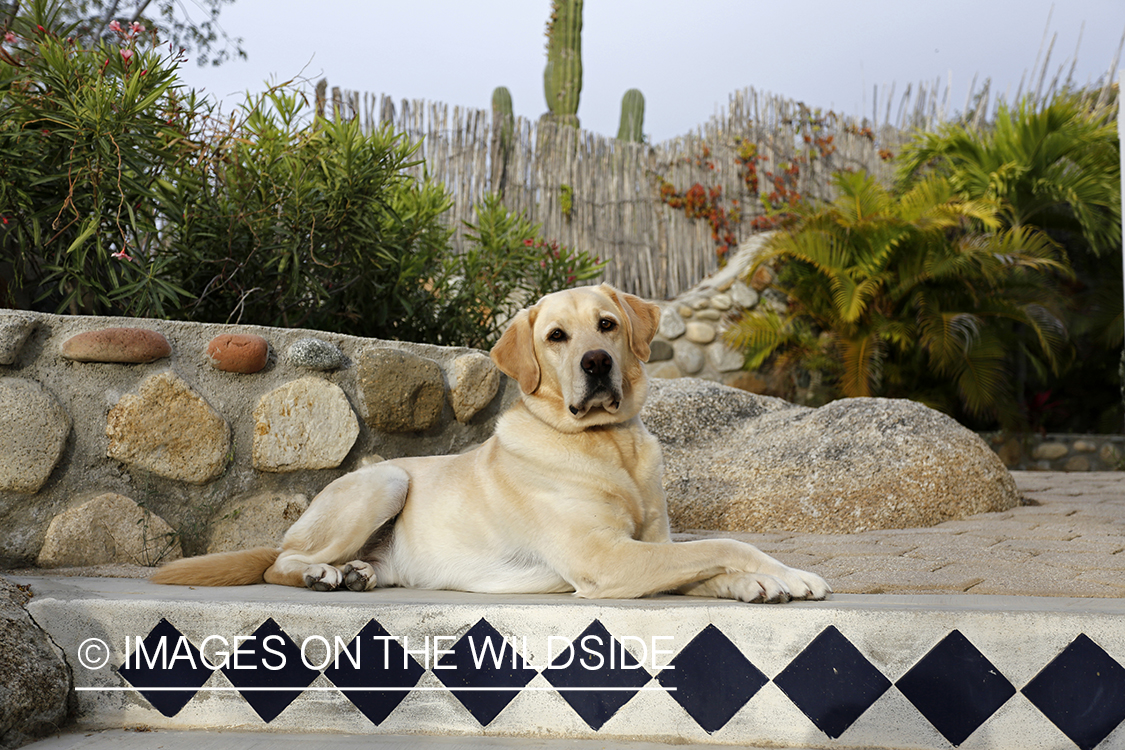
[(600, 388)]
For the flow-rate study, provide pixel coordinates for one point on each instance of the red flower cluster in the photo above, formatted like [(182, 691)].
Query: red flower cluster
[(699, 203), (823, 144), (748, 158), (552, 253), (864, 132)]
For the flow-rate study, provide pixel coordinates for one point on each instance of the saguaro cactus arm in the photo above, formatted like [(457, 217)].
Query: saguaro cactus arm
[(632, 117), (562, 77)]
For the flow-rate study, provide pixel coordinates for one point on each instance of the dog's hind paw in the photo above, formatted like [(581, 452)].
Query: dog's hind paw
[(359, 576), (321, 577)]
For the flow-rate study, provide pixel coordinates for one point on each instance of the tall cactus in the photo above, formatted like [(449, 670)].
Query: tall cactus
[(503, 126), (632, 117), (562, 78)]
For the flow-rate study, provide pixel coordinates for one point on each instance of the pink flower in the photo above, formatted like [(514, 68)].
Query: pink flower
[(136, 28), (115, 26), (10, 37), (121, 255), (126, 54)]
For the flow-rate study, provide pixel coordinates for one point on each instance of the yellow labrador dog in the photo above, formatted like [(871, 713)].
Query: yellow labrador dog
[(565, 496)]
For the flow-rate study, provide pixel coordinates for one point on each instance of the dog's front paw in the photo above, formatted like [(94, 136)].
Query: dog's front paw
[(359, 576), (801, 583), (321, 577), (758, 588)]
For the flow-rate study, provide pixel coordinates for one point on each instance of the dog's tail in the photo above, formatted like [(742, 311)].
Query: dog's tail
[(239, 568)]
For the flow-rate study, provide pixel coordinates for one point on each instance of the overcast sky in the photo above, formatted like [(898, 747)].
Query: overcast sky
[(686, 57)]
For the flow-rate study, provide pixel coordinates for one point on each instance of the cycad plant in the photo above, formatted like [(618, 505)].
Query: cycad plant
[(921, 295), (1056, 167)]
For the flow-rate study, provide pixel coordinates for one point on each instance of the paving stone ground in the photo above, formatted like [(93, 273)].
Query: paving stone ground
[(1067, 540)]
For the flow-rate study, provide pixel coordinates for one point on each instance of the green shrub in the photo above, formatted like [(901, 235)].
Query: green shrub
[(317, 225), (507, 265), (297, 221), (1055, 166)]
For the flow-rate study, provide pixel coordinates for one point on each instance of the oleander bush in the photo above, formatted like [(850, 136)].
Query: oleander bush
[(123, 194), (86, 135)]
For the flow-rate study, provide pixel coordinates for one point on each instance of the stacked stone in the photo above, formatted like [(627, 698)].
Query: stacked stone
[(690, 339), (1060, 452), (169, 429)]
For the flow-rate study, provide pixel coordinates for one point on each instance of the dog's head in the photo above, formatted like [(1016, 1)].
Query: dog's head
[(578, 354)]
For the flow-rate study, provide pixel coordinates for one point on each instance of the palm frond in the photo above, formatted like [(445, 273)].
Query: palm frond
[(851, 299), (759, 334), (861, 360), (982, 376)]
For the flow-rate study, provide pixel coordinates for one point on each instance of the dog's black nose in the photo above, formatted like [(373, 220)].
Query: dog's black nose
[(597, 362)]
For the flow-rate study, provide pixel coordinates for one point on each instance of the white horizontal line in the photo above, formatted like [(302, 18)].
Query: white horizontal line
[(368, 689)]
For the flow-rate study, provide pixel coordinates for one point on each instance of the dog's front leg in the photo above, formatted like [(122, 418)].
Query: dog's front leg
[(626, 568)]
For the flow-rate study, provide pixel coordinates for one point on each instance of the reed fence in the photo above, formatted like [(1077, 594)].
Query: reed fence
[(604, 196)]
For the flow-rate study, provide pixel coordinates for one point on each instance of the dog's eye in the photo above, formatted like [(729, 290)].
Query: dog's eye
[(605, 324), (558, 335)]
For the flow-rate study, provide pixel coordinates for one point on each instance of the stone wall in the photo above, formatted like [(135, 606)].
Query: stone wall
[(689, 341), (127, 440), (1053, 452)]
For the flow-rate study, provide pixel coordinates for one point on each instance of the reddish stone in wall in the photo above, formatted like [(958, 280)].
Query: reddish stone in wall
[(238, 352), (123, 345), (762, 278)]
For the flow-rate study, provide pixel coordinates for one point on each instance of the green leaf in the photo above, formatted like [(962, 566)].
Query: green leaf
[(89, 227)]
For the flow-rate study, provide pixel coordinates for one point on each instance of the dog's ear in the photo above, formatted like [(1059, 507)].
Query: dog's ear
[(514, 353), (642, 319)]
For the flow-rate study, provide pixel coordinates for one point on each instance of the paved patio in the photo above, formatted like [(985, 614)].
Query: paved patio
[(1068, 540)]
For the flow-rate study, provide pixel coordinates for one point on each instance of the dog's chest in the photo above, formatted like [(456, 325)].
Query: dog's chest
[(621, 471)]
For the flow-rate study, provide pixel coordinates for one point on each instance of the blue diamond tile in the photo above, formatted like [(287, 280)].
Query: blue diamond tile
[(165, 659), (832, 682), (956, 688), (1082, 691), (711, 679), (482, 662), (379, 662), (600, 661), (267, 662)]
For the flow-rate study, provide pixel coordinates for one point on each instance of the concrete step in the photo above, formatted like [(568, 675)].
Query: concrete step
[(854, 671), (202, 739)]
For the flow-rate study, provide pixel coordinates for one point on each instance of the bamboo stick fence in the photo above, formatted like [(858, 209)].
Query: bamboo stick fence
[(604, 196)]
